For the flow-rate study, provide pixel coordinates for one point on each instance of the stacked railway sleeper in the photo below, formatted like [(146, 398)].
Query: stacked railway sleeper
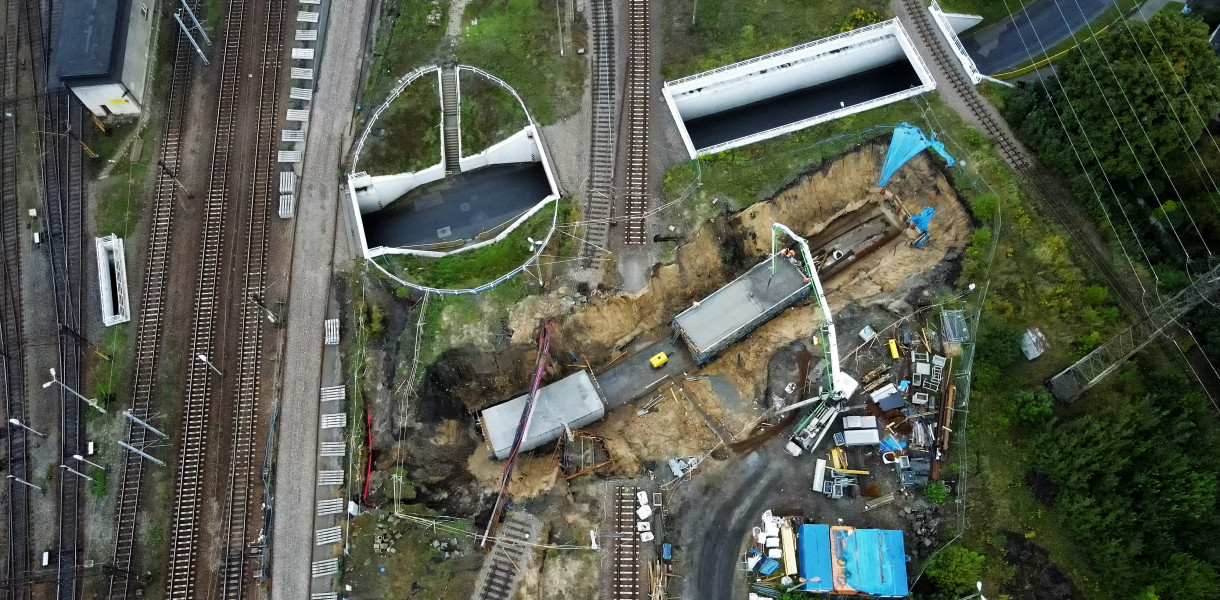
[(638, 104), (12, 364), (625, 582), (600, 203), (151, 316)]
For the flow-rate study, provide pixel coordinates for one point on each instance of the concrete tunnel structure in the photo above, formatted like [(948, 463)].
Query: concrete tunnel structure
[(794, 88)]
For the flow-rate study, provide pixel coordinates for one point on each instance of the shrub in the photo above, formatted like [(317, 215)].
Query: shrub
[(1030, 408), (936, 492), (956, 569)]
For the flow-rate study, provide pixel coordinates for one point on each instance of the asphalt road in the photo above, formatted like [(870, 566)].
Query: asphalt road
[(802, 104), (634, 376), (459, 207), (1039, 26)]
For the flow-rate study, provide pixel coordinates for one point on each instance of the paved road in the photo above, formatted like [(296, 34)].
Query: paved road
[(1041, 24), (313, 251), (459, 207), (633, 376)]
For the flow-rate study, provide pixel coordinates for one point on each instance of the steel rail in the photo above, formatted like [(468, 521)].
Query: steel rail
[(638, 109), (599, 205)]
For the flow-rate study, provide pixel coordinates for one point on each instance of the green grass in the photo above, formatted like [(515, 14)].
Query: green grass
[(108, 374), (415, 570), (517, 41), (489, 113), (726, 31), (407, 136), (992, 11), (475, 267), (97, 487), (121, 198), (405, 40)]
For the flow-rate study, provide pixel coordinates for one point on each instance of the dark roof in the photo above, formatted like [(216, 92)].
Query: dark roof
[(91, 35)]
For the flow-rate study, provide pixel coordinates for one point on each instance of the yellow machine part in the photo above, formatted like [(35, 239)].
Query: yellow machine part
[(893, 349), (851, 471), (658, 360), (838, 459)]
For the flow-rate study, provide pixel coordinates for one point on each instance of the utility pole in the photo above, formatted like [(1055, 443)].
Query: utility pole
[(174, 176), (1073, 381)]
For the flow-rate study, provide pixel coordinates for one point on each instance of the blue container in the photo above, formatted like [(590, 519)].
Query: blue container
[(667, 552)]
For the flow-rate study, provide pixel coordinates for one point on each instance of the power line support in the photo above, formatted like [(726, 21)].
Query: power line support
[(188, 32), (142, 453), (1075, 380)]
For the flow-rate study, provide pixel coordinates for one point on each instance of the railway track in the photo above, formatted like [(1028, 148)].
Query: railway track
[(625, 583), (638, 104), (240, 147), (1013, 153), (12, 363), (64, 207), (238, 566), (149, 330), (600, 203), (193, 446)]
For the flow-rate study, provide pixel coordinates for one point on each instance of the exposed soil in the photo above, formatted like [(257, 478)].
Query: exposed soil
[(491, 357), (1035, 576)]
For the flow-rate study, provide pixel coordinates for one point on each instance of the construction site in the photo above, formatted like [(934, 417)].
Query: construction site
[(794, 356)]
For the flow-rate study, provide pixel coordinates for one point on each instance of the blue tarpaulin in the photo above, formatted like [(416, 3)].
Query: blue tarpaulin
[(873, 561), (813, 551), (908, 141)]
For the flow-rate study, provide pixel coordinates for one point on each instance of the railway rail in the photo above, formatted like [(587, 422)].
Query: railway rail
[(64, 207), (600, 204), (1012, 153), (149, 331), (638, 104), (12, 363), (244, 499), (625, 583), (240, 147)]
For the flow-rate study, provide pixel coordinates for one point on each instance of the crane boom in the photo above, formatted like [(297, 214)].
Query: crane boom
[(841, 385)]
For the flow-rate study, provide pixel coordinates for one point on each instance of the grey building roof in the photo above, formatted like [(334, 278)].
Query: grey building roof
[(574, 400), (738, 307), (91, 37)]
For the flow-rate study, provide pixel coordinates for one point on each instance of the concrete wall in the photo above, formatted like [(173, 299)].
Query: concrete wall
[(375, 193), (136, 55), (791, 69), (113, 96), (948, 24), (828, 65), (518, 148)]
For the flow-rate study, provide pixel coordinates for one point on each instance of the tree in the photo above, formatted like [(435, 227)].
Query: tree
[(1030, 408), (956, 569), (1161, 77)]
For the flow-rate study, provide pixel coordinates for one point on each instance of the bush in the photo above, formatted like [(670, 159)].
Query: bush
[(956, 569), (984, 207), (936, 492), (1030, 408)]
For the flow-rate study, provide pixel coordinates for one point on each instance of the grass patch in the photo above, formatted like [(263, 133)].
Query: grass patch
[(408, 34), (108, 374), (475, 267), (490, 113), (407, 135), (120, 198), (991, 10), (726, 31), (516, 40), (416, 569), (98, 487)]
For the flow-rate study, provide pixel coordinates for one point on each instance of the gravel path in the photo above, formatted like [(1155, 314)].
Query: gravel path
[(314, 245)]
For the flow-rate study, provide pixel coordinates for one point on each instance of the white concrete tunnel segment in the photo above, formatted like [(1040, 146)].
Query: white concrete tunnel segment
[(792, 69)]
